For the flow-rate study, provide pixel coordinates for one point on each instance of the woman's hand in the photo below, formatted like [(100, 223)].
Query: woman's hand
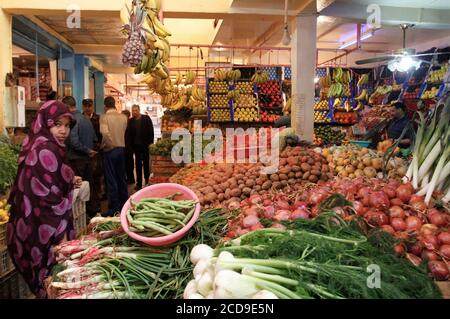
[(77, 181)]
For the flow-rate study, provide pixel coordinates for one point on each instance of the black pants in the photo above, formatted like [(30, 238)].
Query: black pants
[(84, 167), (129, 165), (142, 157)]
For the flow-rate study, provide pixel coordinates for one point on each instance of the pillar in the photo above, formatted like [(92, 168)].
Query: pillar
[(303, 73), (5, 59), (99, 82), (79, 79)]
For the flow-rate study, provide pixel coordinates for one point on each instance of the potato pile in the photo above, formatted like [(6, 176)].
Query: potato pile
[(219, 183), (353, 161)]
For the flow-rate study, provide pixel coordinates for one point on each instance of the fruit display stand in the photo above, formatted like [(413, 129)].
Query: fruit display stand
[(219, 105), (434, 85), (270, 101)]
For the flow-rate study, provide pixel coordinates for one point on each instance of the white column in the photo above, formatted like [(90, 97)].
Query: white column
[(5, 59), (303, 73)]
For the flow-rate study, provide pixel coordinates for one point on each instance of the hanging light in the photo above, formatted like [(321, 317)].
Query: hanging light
[(286, 40), (404, 64)]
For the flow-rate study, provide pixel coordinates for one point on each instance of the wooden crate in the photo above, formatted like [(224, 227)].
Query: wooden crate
[(163, 166)]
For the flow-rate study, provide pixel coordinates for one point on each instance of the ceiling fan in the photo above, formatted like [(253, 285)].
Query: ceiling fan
[(402, 58)]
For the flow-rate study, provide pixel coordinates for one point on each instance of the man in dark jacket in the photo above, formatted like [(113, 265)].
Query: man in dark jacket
[(80, 146), (129, 161), (140, 135)]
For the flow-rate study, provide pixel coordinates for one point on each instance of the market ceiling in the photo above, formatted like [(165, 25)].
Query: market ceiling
[(250, 23)]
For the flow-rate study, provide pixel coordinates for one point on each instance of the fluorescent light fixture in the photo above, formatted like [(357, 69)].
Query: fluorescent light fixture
[(364, 37)]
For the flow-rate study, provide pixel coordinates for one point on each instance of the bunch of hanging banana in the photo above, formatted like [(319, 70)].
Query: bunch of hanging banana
[(288, 106), (342, 76), (178, 79), (364, 79), (260, 77), (198, 94), (336, 90), (154, 35), (190, 77), (363, 96), (325, 81), (219, 75), (233, 75)]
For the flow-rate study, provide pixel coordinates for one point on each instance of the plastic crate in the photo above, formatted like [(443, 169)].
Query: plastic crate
[(6, 264), (361, 143), (3, 235), (79, 217)]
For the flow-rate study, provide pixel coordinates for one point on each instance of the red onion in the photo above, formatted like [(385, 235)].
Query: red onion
[(404, 193), (428, 229), (269, 212), (250, 221), (299, 213), (282, 215), (316, 197), (444, 238), (379, 200), (366, 200), (439, 270), (281, 204), (396, 202), (401, 235), (388, 229), (445, 251), (437, 219), (399, 249), (429, 255), (389, 191), (300, 204), (241, 232), (234, 205), (418, 207), (431, 242), (416, 249), (359, 208), (315, 211), (416, 261), (363, 192), (397, 211), (251, 211), (432, 211), (255, 199), (398, 224), (267, 202), (256, 226), (376, 218), (413, 223), (416, 198)]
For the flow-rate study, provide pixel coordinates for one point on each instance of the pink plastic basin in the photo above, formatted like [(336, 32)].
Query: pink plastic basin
[(161, 190)]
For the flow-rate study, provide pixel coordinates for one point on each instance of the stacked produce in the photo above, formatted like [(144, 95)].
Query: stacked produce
[(379, 93), (233, 75), (341, 85), (220, 76), (218, 87), (304, 261), (170, 124), (329, 135), (353, 161), (430, 167), (411, 94), (219, 115), (246, 100), (244, 87), (270, 116), (321, 105), (99, 266), (219, 101), (430, 93), (156, 217), (269, 88), (246, 114), (437, 76), (345, 117), (4, 211), (188, 173), (147, 48), (162, 148), (322, 117)]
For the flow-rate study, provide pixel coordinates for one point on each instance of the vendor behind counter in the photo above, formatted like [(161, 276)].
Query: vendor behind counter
[(398, 124)]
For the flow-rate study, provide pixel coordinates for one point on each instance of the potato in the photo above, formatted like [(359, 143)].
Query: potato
[(311, 161), (313, 178), (276, 185), (299, 175), (241, 186), (291, 175), (305, 167), (283, 177), (266, 185), (283, 162), (258, 187), (284, 170), (250, 183), (315, 172), (221, 197), (236, 192), (295, 168), (274, 177), (284, 183), (306, 175), (325, 168), (246, 191), (292, 181)]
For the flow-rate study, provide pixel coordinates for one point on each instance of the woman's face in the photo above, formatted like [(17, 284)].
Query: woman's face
[(61, 130)]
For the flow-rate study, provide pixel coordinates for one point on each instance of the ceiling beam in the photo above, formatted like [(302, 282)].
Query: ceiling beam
[(47, 28), (423, 18)]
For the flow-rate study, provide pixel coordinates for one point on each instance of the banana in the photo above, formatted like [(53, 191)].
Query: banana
[(150, 36), (144, 63), (337, 103), (125, 15), (166, 50), (179, 78), (145, 78), (362, 96), (159, 72), (159, 28)]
